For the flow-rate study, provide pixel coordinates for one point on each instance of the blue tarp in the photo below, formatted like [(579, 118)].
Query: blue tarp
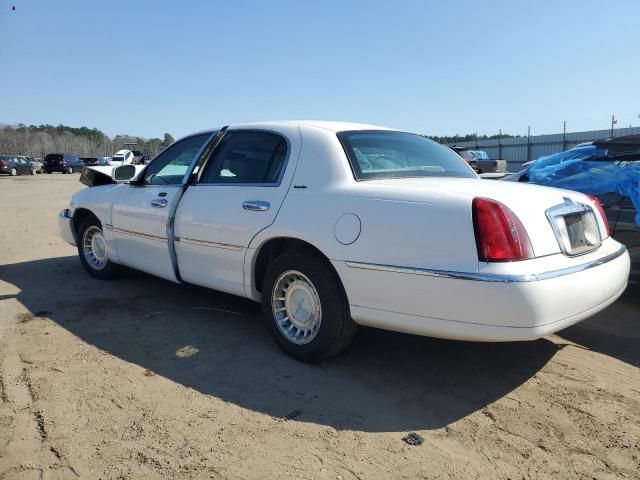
[(574, 171)]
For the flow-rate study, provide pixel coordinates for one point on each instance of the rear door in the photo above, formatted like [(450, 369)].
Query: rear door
[(141, 210), (238, 194), (22, 165)]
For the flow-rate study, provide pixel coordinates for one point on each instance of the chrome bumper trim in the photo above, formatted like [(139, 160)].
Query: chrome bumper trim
[(490, 277), (204, 243)]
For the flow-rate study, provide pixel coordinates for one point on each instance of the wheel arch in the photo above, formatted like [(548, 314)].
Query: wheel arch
[(78, 216), (275, 246)]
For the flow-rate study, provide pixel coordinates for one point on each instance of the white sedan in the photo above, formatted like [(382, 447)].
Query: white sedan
[(333, 225)]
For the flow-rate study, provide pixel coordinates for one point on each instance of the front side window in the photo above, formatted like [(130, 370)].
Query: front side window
[(251, 157), (377, 154), (170, 166)]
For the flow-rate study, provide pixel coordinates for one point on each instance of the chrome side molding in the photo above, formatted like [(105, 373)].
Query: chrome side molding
[(204, 243), (490, 277)]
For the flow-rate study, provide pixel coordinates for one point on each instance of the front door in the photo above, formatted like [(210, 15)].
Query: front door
[(238, 194), (142, 209)]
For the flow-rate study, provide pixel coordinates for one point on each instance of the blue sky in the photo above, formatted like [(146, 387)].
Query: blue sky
[(148, 67)]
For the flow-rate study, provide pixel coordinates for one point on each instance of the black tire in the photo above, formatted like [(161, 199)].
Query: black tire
[(111, 270), (336, 330)]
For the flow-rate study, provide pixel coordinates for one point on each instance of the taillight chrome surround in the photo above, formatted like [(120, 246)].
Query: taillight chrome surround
[(558, 219)]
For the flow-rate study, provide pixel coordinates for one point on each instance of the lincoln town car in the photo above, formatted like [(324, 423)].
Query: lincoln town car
[(333, 225)]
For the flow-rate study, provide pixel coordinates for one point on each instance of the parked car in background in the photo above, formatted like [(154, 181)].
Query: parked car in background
[(95, 161), (62, 162), (480, 160), (331, 225), (122, 157), (36, 163), (15, 165), (139, 157)]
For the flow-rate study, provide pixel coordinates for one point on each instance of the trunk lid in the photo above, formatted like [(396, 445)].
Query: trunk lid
[(529, 202)]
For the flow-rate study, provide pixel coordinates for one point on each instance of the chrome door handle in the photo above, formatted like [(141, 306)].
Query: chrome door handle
[(256, 205), (159, 202)]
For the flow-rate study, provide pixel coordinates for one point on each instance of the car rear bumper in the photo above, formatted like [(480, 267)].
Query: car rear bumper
[(482, 307), (65, 225)]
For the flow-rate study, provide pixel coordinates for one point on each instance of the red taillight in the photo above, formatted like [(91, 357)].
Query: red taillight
[(500, 236), (602, 215), (4, 163)]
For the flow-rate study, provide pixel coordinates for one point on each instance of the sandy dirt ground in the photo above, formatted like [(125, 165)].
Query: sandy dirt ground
[(142, 378)]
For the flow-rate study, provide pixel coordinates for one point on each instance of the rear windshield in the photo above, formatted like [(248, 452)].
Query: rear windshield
[(53, 157), (376, 154), (117, 159)]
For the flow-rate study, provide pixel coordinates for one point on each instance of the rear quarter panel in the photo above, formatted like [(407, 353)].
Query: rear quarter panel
[(434, 231)]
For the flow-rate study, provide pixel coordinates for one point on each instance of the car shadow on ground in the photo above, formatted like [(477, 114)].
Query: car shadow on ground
[(384, 382), (615, 333)]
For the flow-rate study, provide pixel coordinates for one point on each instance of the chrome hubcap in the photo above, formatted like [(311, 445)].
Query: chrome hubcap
[(296, 307), (94, 248)]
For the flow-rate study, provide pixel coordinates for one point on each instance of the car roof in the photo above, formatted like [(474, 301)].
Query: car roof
[(332, 126)]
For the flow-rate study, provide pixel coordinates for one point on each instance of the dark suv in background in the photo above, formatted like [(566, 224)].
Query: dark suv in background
[(62, 162)]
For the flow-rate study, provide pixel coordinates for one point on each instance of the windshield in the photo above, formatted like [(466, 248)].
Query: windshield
[(375, 154), (117, 159)]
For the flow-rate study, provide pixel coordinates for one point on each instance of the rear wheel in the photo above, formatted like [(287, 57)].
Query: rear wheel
[(33, 171), (94, 251), (305, 307)]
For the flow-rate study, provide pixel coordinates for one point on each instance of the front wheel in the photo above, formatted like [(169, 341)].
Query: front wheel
[(33, 171), (305, 307), (94, 251), (14, 172)]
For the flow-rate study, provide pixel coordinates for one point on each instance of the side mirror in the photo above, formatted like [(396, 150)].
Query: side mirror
[(123, 173)]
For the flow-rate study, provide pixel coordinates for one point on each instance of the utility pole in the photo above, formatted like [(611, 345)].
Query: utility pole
[(500, 144), (477, 138), (529, 143), (613, 122), (564, 135)]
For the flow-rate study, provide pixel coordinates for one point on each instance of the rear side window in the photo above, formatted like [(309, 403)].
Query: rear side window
[(249, 157)]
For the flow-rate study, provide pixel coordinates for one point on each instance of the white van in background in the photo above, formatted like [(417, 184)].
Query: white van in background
[(122, 157)]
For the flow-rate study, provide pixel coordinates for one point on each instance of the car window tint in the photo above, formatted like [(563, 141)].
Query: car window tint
[(170, 166), (380, 154), (247, 157)]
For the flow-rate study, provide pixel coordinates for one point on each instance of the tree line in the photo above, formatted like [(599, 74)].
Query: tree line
[(469, 137), (39, 140)]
